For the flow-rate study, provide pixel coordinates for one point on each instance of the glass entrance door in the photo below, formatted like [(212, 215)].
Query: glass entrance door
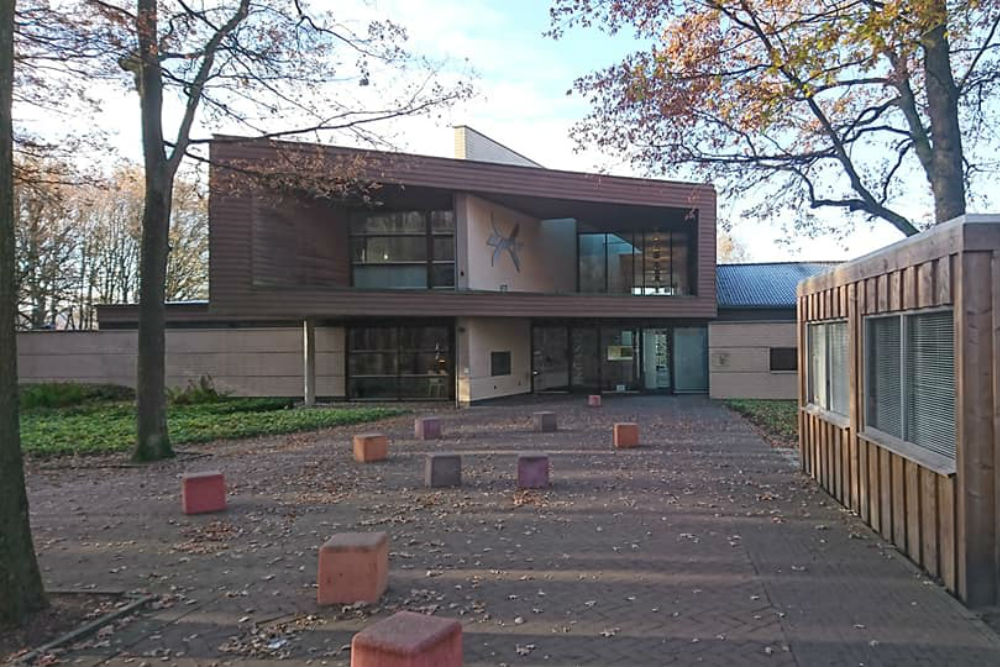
[(550, 358), (691, 359), (656, 360), (619, 359)]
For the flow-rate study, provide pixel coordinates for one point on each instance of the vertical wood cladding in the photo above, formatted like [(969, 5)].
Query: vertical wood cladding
[(292, 259), (946, 523)]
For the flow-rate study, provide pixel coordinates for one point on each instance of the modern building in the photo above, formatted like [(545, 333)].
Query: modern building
[(466, 279)]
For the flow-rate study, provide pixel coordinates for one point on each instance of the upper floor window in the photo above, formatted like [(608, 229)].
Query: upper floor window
[(910, 379), (648, 262), (827, 374), (403, 250)]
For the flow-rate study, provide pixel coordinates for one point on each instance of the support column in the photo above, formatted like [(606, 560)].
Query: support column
[(309, 362)]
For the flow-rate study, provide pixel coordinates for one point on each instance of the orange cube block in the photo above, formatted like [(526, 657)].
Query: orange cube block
[(409, 639), (353, 567), (203, 492), (626, 435), (370, 447)]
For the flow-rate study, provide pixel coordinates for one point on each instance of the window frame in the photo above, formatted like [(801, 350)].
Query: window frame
[(827, 404), (429, 235), (902, 442), (500, 354)]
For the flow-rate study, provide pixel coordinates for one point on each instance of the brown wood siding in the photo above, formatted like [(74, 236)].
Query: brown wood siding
[(297, 243), (236, 262), (945, 523)]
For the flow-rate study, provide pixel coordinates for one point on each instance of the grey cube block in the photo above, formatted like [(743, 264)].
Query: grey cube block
[(443, 469), (545, 422)]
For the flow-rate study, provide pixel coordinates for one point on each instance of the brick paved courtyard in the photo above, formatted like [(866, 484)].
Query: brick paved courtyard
[(705, 546)]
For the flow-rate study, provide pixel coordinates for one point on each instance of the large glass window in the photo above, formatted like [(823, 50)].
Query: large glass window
[(649, 262), (403, 250), (400, 362), (910, 370), (827, 378)]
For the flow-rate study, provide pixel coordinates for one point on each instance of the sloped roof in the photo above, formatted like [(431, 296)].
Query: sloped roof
[(764, 285)]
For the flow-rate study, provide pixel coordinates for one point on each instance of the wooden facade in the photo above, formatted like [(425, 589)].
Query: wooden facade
[(288, 259), (944, 515)]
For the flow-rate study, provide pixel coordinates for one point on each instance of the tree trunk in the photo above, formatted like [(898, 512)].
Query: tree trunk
[(153, 442), (947, 177), (20, 581)]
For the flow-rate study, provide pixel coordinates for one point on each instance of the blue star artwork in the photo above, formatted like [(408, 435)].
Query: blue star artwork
[(500, 243)]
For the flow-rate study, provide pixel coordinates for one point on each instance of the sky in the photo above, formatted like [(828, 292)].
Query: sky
[(522, 79)]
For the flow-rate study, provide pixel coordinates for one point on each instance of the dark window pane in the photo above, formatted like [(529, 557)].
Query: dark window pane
[(372, 363), (444, 248), (424, 388), (499, 363), (389, 249), (443, 275), (428, 339), (424, 363), (784, 359), (404, 222), (884, 377), (591, 250), (373, 388), (373, 338), (680, 277), (620, 263), (442, 221), (391, 276)]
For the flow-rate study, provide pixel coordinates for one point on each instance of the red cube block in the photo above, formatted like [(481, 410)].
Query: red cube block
[(203, 492), (370, 447), (353, 567), (594, 401), (626, 435), (409, 639)]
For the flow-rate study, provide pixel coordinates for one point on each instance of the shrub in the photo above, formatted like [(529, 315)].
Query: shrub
[(66, 394), (196, 393)]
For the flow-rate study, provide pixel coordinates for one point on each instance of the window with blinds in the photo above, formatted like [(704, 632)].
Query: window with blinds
[(827, 378), (910, 369)]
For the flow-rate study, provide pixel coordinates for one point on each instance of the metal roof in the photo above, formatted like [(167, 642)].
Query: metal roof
[(764, 285)]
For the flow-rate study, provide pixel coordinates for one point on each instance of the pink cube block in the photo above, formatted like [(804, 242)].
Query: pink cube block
[(353, 567), (533, 471), (626, 435), (203, 492), (427, 428), (594, 401), (409, 639)]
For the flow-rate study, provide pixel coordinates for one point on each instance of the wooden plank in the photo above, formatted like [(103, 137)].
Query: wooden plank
[(882, 294), (925, 285), (975, 494), (862, 478), (845, 467), (912, 474), (909, 288), (942, 282), (895, 291), (898, 502), (874, 492), (946, 531), (871, 305), (885, 493), (929, 521), (838, 468)]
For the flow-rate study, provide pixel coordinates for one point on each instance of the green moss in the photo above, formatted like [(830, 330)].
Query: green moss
[(778, 418), (100, 428)]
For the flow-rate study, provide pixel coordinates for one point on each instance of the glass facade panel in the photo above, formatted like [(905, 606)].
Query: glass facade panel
[(585, 349), (640, 263), (400, 362), (592, 262), (389, 249), (391, 276), (550, 358), (619, 359), (620, 263), (402, 222), (403, 250), (691, 359)]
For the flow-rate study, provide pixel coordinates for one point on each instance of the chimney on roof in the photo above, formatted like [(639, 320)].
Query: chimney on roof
[(473, 145)]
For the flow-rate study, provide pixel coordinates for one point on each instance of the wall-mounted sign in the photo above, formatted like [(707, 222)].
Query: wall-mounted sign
[(620, 353)]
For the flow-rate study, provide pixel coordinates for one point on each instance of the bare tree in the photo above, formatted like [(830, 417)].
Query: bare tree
[(841, 104), (21, 589)]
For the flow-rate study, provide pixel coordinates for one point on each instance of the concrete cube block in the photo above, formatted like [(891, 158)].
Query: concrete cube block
[(203, 492), (409, 639), (532, 471), (370, 447), (443, 469), (427, 428), (545, 421), (594, 401), (353, 567), (626, 435)]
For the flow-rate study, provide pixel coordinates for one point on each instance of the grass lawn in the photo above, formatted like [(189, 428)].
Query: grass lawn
[(102, 426), (779, 418)]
